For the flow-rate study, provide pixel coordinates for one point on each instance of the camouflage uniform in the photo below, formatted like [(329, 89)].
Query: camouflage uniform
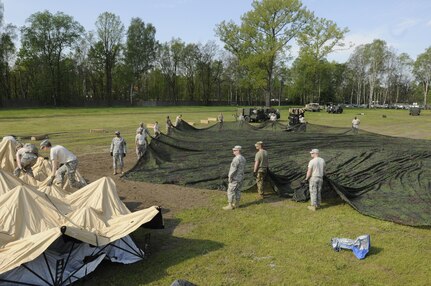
[(236, 177), (27, 157), (262, 158), (118, 150), (68, 164), (141, 145), (169, 126)]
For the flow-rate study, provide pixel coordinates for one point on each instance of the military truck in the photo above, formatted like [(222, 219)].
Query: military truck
[(334, 108), (415, 110)]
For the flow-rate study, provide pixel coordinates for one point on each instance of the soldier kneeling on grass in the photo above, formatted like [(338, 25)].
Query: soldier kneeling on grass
[(26, 157)]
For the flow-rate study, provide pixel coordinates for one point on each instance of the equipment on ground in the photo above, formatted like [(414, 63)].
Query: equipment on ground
[(296, 115), (360, 246), (257, 114), (334, 108)]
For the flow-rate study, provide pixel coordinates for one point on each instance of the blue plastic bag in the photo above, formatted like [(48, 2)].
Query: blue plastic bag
[(360, 246)]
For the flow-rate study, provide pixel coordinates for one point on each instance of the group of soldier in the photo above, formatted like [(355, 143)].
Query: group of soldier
[(314, 176), (65, 163)]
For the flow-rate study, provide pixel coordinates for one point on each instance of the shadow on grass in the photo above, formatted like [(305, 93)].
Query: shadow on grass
[(166, 251), (375, 250)]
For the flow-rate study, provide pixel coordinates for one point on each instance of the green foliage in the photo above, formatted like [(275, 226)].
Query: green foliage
[(263, 36), (422, 71)]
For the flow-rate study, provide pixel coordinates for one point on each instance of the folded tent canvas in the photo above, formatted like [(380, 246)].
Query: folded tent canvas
[(49, 236)]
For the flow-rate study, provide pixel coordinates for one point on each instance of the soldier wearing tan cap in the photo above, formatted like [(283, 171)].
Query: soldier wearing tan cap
[(315, 173), (235, 177), (260, 168)]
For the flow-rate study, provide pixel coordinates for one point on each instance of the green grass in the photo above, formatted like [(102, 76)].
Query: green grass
[(278, 242)]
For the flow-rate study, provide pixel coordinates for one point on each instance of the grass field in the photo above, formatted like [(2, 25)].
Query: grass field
[(278, 242)]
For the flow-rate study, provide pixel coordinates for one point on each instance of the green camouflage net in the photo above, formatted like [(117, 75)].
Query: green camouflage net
[(380, 176)]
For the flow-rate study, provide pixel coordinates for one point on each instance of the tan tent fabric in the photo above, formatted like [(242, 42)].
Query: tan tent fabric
[(30, 220), (7, 155), (8, 182), (33, 215), (41, 170)]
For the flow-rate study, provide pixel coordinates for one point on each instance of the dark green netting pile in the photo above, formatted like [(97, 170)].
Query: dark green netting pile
[(380, 176)]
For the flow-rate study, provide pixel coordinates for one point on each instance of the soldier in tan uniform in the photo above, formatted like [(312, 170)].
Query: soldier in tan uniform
[(260, 168)]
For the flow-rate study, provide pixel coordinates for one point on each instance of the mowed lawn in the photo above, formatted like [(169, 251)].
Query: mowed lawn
[(278, 242)]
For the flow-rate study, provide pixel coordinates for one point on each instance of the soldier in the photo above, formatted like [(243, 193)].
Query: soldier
[(178, 119), (315, 173), (241, 120), (260, 168), (220, 120), (355, 125), (118, 152), (143, 129), (156, 129), (26, 157), (235, 177), (273, 119), (140, 128), (169, 126), (63, 162), (140, 144)]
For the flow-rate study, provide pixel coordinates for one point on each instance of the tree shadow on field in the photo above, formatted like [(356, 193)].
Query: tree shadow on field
[(166, 251)]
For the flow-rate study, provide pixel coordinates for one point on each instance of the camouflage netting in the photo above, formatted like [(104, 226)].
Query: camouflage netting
[(380, 176)]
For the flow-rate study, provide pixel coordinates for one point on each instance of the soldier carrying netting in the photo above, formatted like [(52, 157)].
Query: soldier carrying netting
[(220, 120), (26, 158), (140, 144), (169, 126)]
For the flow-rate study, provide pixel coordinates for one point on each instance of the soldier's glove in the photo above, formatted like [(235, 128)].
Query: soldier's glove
[(254, 174), (305, 181), (124, 154), (111, 154), (51, 179)]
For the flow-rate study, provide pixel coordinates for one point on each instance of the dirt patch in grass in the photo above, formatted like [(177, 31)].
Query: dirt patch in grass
[(139, 195)]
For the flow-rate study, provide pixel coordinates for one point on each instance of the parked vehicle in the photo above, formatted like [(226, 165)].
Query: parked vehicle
[(334, 108), (312, 107)]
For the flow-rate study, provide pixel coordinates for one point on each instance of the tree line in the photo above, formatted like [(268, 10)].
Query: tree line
[(58, 63)]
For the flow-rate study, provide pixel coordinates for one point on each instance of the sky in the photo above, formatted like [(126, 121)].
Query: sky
[(405, 25)]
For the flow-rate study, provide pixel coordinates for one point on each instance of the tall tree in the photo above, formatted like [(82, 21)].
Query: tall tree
[(375, 54), (141, 48), (263, 36), (321, 38), (7, 52), (110, 32), (189, 63), (422, 71), (47, 38), (169, 63)]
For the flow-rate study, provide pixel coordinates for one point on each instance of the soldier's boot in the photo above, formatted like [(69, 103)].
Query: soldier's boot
[(228, 207), (312, 208)]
